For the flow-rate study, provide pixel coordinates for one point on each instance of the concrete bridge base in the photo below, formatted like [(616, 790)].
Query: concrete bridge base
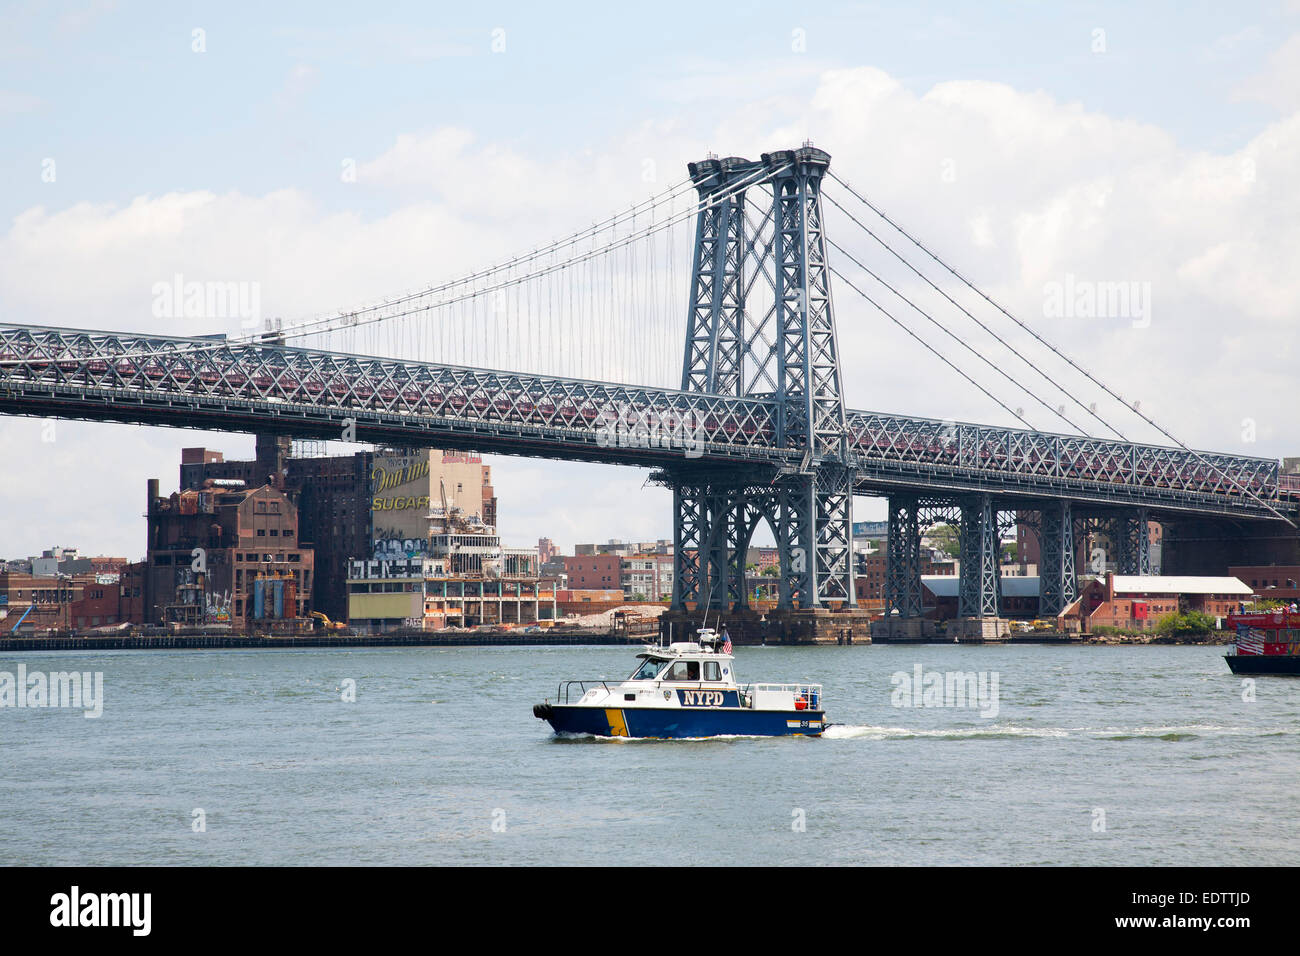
[(894, 630), (978, 630), (748, 627)]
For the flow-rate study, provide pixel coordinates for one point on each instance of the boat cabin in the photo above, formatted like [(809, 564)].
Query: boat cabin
[(685, 662)]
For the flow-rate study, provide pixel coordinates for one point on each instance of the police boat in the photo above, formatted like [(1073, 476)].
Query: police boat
[(685, 689)]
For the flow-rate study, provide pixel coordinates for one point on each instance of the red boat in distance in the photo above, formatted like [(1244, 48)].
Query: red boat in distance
[(1268, 642)]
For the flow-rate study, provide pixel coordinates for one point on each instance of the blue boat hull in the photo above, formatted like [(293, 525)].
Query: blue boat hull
[(676, 723), (1263, 663)]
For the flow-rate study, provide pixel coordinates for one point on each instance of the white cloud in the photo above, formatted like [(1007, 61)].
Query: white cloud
[(1278, 83), (1036, 189)]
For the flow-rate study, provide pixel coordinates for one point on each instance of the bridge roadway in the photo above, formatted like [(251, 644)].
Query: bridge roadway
[(216, 385)]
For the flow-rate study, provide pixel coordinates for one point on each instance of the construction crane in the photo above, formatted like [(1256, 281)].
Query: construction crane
[(31, 607)]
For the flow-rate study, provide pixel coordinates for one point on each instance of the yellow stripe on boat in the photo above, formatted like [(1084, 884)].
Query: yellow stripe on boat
[(617, 725)]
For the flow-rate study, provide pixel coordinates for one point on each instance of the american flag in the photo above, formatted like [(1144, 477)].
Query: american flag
[(726, 643), (1250, 641)]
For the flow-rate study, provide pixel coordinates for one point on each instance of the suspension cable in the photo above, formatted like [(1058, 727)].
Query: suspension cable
[(352, 320), (970, 285), (1011, 348), (216, 345), (943, 358), (589, 232), (956, 338)]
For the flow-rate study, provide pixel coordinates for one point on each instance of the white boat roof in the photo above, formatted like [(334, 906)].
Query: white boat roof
[(680, 649)]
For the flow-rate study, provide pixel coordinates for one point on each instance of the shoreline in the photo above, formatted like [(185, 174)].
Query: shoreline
[(546, 639), (231, 641)]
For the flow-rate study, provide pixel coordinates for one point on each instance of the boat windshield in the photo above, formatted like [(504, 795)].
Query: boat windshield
[(684, 670), (647, 670)]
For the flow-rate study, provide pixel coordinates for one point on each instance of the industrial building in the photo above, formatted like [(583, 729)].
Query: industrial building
[(225, 556), (420, 594), (350, 507), (31, 603), (1019, 596), (36, 602), (1138, 602), (1275, 582), (439, 563)]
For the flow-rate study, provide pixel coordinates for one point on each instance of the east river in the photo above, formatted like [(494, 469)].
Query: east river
[(1095, 755)]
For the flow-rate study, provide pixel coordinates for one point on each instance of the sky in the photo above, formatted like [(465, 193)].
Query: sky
[(1034, 144)]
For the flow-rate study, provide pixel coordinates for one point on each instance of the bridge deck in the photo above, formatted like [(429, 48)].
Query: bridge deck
[(219, 385)]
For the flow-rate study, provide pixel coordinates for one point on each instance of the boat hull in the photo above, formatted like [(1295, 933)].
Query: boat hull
[(676, 723), (1263, 663)]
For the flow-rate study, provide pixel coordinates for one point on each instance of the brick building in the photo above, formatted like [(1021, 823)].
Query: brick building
[(131, 588), (1278, 582), (648, 575), (243, 535), (62, 602), (870, 569), (38, 601), (594, 572), (98, 601), (352, 507), (1134, 602), (331, 495)]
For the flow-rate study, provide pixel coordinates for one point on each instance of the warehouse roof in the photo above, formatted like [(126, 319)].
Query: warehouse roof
[(945, 585), (1178, 584)]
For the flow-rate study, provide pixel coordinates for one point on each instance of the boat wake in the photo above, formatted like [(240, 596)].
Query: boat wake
[(993, 731), (1174, 734)]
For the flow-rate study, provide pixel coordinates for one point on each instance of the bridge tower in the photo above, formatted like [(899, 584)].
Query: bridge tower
[(761, 323)]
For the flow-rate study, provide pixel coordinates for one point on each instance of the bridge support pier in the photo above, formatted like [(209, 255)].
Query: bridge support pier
[(713, 523), (978, 587), (690, 531), (1131, 537), (1057, 583), (903, 620)]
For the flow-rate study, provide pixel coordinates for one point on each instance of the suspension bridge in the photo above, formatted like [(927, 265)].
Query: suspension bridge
[(567, 352)]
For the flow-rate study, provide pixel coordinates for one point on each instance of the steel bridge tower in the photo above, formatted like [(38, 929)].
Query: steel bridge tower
[(761, 323)]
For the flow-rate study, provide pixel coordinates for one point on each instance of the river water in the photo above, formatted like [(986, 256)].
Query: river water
[(1096, 755)]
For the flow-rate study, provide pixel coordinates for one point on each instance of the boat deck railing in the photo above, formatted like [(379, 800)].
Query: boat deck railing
[(570, 691), (566, 689), (810, 694)]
